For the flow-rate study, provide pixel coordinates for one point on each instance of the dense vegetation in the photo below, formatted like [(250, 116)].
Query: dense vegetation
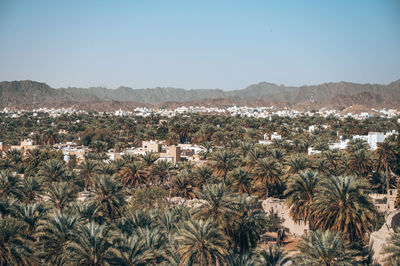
[(101, 212)]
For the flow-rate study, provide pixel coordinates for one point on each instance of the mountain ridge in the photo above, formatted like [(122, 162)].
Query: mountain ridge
[(331, 94)]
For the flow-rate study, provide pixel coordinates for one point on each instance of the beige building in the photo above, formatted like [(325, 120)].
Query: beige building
[(383, 202), (152, 145), (25, 146), (378, 239), (171, 153)]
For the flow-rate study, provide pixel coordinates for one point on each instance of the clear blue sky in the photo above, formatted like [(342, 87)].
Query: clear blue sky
[(199, 44)]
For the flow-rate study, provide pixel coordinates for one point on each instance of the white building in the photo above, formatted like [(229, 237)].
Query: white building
[(276, 136), (373, 138), (341, 145)]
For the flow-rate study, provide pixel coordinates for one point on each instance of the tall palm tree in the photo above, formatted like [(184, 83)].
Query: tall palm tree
[(273, 256), (203, 175), (14, 248), (300, 193), (8, 184), (360, 162), (133, 175), (268, 172), (247, 224), (131, 252), (29, 214), (245, 147), (238, 259), (324, 248), (333, 162), (386, 152), (253, 156), (14, 156), (201, 242), (278, 154), (61, 194), (105, 169), (298, 163), (222, 161), (242, 180), (208, 148), (87, 211), (182, 185), (217, 204), (161, 170), (108, 193), (342, 205), (149, 158), (53, 170), (92, 245), (53, 234), (87, 170), (154, 243), (29, 189)]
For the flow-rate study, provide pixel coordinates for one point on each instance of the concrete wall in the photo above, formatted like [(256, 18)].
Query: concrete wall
[(379, 238), (277, 207)]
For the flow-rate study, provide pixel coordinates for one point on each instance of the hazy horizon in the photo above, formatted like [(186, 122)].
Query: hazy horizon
[(254, 83), (225, 45)]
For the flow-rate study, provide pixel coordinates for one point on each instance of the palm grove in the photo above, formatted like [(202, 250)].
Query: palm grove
[(117, 212)]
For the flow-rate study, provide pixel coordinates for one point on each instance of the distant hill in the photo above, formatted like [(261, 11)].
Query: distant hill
[(337, 95)]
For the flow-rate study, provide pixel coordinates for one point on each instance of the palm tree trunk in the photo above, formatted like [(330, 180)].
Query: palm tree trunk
[(387, 184)]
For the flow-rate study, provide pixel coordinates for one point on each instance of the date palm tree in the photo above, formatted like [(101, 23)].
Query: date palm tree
[(161, 170), (201, 242), (14, 156), (208, 148), (324, 248), (182, 185), (15, 249), (155, 245), (29, 189), (273, 256), (238, 259), (268, 171), (108, 194), (60, 194), (217, 204), (92, 245), (53, 170), (298, 163), (87, 170), (300, 193), (105, 169), (149, 158), (360, 162), (223, 161), (29, 214), (242, 180), (131, 252), (8, 184), (53, 234), (247, 224), (203, 175), (341, 204), (386, 152), (133, 175)]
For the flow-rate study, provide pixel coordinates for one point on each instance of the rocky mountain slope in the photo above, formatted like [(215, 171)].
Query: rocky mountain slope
[(336, 95)]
